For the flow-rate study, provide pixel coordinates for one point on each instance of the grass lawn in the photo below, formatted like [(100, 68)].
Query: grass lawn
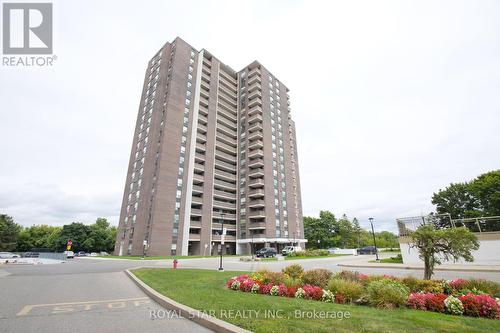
[(316, 257), (391, 260), (300, 258), (161, 257), (204, 290)]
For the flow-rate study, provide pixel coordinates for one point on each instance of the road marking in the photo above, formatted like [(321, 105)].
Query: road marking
[(67, 307)]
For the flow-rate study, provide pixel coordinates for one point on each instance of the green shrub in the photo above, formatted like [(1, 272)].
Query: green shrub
[(317, 277), (294, 271), (430, 286), (489, 287), (291, 282), (309, 253), (411, 282), (270, 277), (386, 293), (351, 290)]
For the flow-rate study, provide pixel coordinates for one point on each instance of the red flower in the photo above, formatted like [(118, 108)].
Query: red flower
[(417, 301), (265, 288), (480, 306), (339, 298), (435, 302), (458, 284), (312, 292), (291, 291)]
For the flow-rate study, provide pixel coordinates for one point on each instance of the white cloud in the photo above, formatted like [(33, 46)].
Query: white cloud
[(392, 100)]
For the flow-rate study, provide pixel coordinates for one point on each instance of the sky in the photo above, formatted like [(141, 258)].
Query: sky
[(392, 100)]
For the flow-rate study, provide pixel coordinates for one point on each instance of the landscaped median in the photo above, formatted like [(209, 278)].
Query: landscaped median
[(317, 301)]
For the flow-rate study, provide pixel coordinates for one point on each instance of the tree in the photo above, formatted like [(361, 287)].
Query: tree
[(456, 200), (78, 233), (38, 236), (435, 245), (322, 229), (479, 197), (357, 230), (9, 230), (486, 190)]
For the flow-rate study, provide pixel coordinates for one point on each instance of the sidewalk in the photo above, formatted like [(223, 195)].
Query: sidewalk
[(449, 267)]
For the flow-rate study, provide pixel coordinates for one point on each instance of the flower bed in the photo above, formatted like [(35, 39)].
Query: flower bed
[(456, 297)]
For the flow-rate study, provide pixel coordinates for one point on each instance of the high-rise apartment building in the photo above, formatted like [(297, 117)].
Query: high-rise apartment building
[(211, 145)]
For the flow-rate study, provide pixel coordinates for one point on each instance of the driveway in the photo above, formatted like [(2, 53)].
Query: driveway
[(79, 296)]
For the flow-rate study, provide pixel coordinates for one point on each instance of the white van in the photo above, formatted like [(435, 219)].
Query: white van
[(290, 249), (69, 254)]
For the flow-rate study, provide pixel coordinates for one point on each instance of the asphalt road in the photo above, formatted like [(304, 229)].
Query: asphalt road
[(95, 295), (80, 296)]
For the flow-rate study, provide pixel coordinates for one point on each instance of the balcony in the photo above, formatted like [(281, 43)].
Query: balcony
[(256, 173), (195, 224), (255, 119), (224, 194), (254, 79), (197, 189), (200, 147), (196, 212), (197, 200), (231, 103), (257, 144), (198, 179), (254, 128), (255, 86), (224, 175), (228, 88), (199, 157), (227, 131), (226, 139), (257, 193), (200, 137), (224, 205), (257, 225), (254, 94), (225, 185), (205, 76), (207, 62), (230, 81), (257, 182), (226, 166), (257, 203), (255, 110), (225, 147), (202, 128), (218, 226), (227, 238), (199, 167), (202, 119), (227, 114), (218, 216), (204, 93), (205, 84), (255, 102), (204, 101), (231, 125), (204, 110), (225, 157), (256, 153), (257, 163), (254, 71), (194, 237), (255, 135), (258, 214)]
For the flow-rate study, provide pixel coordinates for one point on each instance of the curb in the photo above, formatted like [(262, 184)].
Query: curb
[(491, 270), (199, 317)]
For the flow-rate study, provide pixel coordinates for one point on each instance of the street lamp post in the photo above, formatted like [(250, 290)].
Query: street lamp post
[(222, 214), (293, 239), (319, 243), (374, 241), (252, 249)]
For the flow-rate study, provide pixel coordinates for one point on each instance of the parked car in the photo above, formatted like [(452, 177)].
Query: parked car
[(104, 253), (8, 255), (69, 254), (31, 255), (266, 252), (81, 254), (367, 250), (332, 250), (93, 254), (289, 249)]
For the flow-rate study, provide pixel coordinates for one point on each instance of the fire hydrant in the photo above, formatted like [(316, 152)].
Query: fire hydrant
[(175, 263)]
